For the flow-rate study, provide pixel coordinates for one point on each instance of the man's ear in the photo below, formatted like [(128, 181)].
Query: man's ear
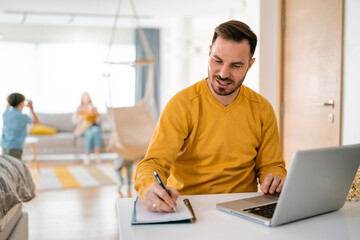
[(209, 50), (251, 63)]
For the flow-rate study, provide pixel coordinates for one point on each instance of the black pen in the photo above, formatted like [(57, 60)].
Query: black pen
[(162, 185)]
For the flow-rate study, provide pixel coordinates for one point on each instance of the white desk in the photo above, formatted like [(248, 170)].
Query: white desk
[(214, 224)]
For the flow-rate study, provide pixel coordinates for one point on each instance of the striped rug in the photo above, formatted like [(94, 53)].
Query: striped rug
[(77, 176)]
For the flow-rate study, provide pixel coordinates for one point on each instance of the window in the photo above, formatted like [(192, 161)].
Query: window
[(55, 75)]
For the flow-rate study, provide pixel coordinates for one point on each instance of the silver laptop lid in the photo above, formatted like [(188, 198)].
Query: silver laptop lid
[(318, 182)]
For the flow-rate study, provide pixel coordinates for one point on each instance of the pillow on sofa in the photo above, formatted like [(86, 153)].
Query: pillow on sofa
[(39, 129)]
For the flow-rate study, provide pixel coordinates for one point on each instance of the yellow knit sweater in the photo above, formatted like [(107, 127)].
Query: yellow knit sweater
[(203, 147)]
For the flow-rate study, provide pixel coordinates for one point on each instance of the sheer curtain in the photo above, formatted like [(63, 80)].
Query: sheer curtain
[(152, 36)]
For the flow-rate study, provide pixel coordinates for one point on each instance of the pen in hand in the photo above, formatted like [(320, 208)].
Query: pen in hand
[(162, 185)]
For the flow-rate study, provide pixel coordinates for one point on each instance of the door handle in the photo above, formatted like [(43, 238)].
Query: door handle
[(329, 103)]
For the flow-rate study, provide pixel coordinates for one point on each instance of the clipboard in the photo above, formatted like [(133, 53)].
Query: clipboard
[(184, 214)]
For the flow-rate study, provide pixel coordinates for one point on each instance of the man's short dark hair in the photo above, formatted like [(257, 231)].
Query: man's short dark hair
[(15, 99), (236, 31)]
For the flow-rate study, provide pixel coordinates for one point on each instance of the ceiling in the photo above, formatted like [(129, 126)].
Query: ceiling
[(101, 13)]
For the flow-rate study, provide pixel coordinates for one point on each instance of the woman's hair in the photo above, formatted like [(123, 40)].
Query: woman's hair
[(15, 99), (82, 98), (236, 31)]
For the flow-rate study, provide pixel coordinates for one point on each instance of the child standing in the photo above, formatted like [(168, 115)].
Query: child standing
[(14, 127)]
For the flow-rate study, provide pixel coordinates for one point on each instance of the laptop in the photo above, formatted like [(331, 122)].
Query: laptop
[(318, 182)]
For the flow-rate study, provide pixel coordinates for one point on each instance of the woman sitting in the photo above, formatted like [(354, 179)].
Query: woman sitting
[(85, 119)]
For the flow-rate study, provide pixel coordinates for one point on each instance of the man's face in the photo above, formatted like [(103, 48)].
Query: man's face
[(229, 62)]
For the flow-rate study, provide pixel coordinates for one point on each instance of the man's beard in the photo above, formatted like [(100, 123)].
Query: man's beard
[(222, 91)]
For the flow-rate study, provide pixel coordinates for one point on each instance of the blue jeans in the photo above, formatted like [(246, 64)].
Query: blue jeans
[(92, 138)]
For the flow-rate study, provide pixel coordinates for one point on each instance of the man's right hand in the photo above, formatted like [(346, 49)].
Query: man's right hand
[(158, 200)]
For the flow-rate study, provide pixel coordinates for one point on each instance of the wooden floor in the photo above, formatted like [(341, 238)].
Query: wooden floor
[(85, 213)]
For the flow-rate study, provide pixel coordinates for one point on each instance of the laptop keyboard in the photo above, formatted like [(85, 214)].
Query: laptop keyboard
[(264, 211)]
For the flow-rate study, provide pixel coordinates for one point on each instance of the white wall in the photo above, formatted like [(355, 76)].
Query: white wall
[(268, 44), (351, 74)]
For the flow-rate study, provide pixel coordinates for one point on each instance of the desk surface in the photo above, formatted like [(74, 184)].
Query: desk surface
[(29, 140), (214, 224)]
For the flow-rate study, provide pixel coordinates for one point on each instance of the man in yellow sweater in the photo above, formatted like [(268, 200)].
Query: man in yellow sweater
[(216, 136)]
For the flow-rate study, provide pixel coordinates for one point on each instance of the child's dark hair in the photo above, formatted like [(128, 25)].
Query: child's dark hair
[(15, 99)]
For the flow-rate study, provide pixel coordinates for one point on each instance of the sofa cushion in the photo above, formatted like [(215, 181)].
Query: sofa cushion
[(59, 139), (62, 122)]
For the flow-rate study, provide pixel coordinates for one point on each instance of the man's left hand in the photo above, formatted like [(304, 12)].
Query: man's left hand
[(272, 184)]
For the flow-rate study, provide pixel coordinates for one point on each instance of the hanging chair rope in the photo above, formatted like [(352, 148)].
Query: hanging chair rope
[(144, 42), (132, 127), (113, 30)]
